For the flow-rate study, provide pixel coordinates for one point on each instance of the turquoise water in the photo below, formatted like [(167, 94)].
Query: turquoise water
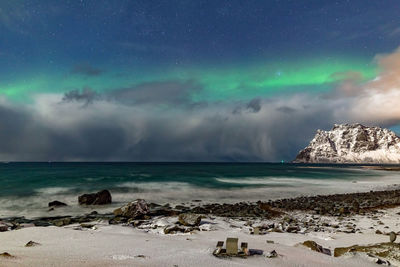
[(28, 187)]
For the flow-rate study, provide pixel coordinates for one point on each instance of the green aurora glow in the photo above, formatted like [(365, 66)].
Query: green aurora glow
[(222, 83)]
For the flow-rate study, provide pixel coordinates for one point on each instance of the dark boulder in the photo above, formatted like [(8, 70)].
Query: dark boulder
[(134, 210), (99, 198), (57, 203), (188, 219)]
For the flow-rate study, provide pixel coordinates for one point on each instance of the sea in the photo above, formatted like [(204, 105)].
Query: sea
[(27, 188)]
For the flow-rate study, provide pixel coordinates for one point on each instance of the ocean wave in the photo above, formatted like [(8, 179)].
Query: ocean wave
[(148, 186), (284, 181), (53, 190)]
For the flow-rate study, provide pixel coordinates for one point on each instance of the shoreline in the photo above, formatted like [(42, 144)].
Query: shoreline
[(332, 221)]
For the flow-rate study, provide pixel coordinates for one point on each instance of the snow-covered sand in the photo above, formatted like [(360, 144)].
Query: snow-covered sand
[(116, 245)]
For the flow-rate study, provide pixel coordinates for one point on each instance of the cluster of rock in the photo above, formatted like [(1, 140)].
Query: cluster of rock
[(139, 213), (100, 198), (242, 209), (352, 143), (340, 204)]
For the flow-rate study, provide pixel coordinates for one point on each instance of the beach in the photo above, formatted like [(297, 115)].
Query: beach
[(156, 236)]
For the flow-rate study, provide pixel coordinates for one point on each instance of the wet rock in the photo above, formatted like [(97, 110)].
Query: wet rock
[(41, 223), (242, 209), (174, 229), (392, 236), (314, 246), (386, 250), (100, 198), (6, 255), (118, 220), (341, 204), (57, 203), (163, 211), (88, 225), (154, 205), (62, 222), (292, 229), (32, 244), (188, 219), (134, 210), (3, 227)]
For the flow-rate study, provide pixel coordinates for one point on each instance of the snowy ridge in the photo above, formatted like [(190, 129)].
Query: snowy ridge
[(352, 143)]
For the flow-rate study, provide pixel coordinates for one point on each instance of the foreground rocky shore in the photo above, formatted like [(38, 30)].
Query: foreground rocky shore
[(337, 205), (354, 213)]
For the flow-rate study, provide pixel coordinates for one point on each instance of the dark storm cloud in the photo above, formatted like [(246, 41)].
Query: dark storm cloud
[(86, 96), (86, 69), (110, 130), (254, 105)]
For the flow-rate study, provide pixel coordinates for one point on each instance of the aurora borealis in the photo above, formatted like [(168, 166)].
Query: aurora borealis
[(219, 80)]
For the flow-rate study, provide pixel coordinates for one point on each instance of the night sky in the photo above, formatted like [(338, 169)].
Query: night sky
[(89, 80)]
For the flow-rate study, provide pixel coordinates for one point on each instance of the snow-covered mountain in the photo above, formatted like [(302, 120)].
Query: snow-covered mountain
[(352, 143)]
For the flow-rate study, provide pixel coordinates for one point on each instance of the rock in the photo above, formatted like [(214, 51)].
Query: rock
[(272, 254), (57, 203), (378, 232), (135, 209), (292, 229), (41, 223), (314, 246), (32, 244), (174, 229), (162, 211), (118, 220), (382, 262), (387, 250), (88, 225), (100, 198), (392, 236), (3, 227), (356, 206), (6, 255), (62, 222), (189, 219)]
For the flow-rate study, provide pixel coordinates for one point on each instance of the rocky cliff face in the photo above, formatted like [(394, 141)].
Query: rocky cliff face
[(352, 143)]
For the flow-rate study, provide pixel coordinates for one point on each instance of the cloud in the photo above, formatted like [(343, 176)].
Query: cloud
[(160, 121), (254, 105), (86, 95), (109, 130), (285, 109), (157, 93), (378, 100), (86, 69)]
